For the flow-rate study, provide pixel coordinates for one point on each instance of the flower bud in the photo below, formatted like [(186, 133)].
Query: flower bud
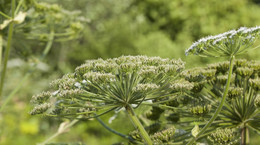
[(66, 82), (70, 93), (41, 98), (255, 83), (223, 136), (234, 92), (200, 110), (163, 136), (39, 109), (244, 71), (145, 87), (182, 86), (99, 77), (222, 79)]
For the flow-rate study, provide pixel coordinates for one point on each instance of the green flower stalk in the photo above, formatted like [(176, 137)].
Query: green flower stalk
[(101, 86), (228, 44)]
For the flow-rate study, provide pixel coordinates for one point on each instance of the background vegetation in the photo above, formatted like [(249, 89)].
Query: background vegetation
[(110, 28)]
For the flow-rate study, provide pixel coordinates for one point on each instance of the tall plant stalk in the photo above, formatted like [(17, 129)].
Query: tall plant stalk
[(138, 125), (29, 72), (220, 105), (8, 48)]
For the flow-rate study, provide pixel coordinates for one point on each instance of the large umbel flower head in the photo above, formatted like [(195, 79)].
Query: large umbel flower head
[(230, 43), (100, 86)]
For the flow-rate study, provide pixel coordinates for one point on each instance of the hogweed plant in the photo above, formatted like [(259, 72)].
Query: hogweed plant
[(186, 98), (101, 86), (228, 44)]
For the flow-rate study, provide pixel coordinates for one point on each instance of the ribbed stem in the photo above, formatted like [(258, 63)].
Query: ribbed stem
[(220, 105), (244, 136), (138, 125)]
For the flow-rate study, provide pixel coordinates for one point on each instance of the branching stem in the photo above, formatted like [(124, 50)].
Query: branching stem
[(220, 105), (138, 125)]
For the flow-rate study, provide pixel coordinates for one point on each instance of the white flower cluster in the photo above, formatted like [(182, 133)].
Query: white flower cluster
[(99, 77), (70, 93), (145, 87), (66, 82), (40, 98), (40, 108), (235, 38), (182, 86)]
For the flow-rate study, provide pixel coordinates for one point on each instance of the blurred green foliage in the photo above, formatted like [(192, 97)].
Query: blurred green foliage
[(112, 28)]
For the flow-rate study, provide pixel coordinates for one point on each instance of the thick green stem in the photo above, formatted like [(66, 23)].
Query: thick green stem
[(138, 125), (8, 48), (244, 136), (220, 105)]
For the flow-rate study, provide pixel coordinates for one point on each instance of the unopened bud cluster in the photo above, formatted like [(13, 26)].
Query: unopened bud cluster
[(145, 87), (113, 82), (181, 86), (255, 83), (223, 137), (164, 136), (200, 110), (234, 92)]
